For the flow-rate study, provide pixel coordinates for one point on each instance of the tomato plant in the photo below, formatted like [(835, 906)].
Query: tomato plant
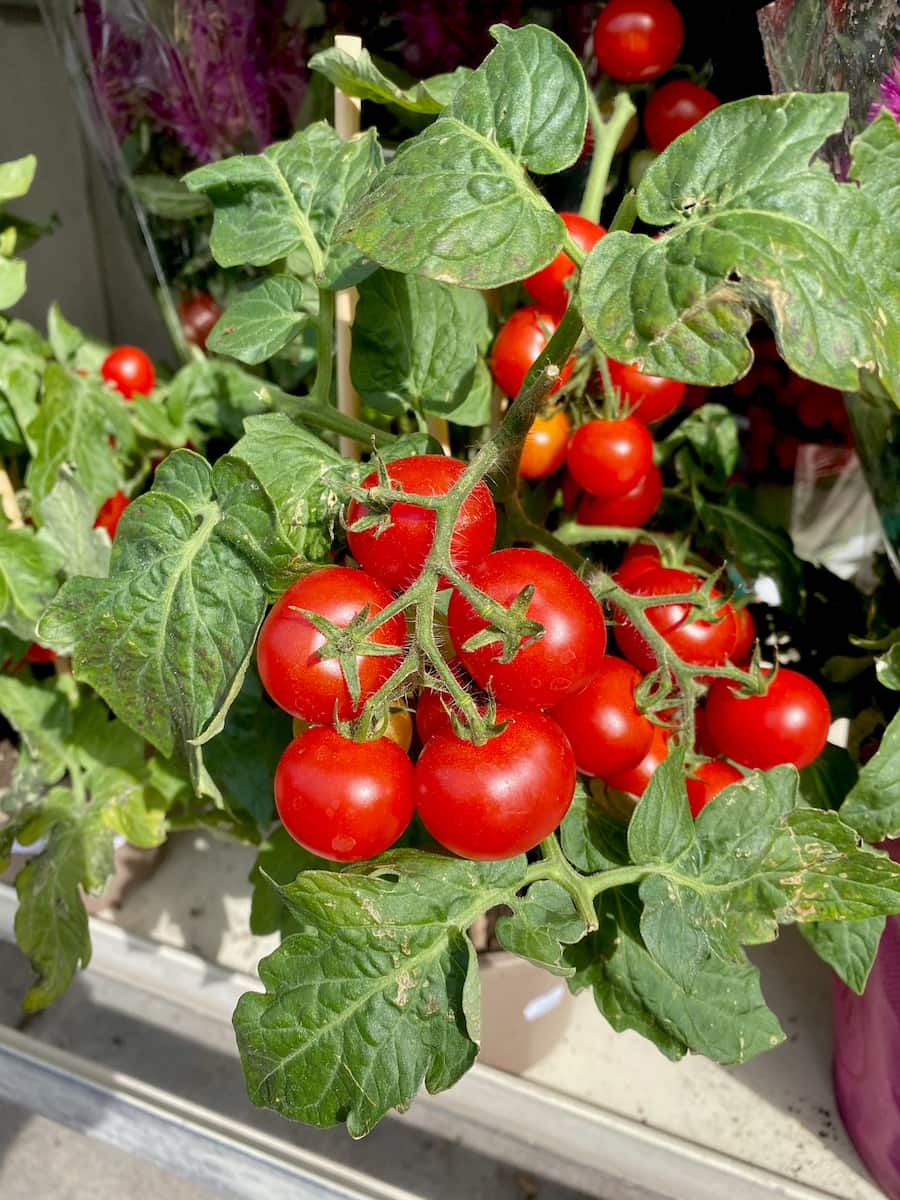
[(548, 286), (650, 397), (609, 458), (675, 108), (631, 510), (544, 451), (110, 513), (129, 370), (787, 723), (635, 40), (697, 641), (707, 780), (607, 731), (518, 344), (198, 313)]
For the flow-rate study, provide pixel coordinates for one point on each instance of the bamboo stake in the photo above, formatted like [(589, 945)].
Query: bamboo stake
[(440, 431), (8, 501), (346, 123)]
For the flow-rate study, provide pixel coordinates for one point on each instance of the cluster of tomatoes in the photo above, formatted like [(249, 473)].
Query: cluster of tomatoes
[(553, 703)]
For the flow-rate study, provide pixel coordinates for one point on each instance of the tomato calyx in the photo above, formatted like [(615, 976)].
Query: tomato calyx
[(516, 632)]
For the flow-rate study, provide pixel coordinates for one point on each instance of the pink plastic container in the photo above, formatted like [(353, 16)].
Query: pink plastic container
[(867, 1059)]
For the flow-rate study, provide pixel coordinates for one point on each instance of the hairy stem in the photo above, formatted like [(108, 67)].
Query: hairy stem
[(606, 138)]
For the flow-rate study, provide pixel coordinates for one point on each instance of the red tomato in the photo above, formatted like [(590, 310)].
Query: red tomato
[(36, 653), (559, 662), (396, 556), (499, 799), (789, 724), (198, 313), (570, 492), (544, 451), (548, 286), (744, 637), (631, 511), (110, 513), (605, 729), (702, 737), (635, 780), (129, 370), (707, 781), (675, 108), (341, 799), (641, 554), (638, 39), (609, 458), (518, 344), (294, 675), (706, 643), (651, 397)]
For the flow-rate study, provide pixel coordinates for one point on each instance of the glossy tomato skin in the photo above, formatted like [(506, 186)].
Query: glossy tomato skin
[(631, 511), (707, 781), (36, 653), (340, 799), (110, 513), (499, 799), (198, 313), (519, 342), (789, 724), (396, 556), (129, 370), (703, 643), (544, 451), (650, 397), (562, 660), (294, 675), (608, 458), (675, 108), (606, 731), (636, 40), (634, 781), (744, 637), (547, 286)]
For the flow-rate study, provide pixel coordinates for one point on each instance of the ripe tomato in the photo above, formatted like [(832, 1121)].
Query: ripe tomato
[(558, 663), (548, 286), (631, 511), (707, 781), (744, 636), (675, 108), (634, 781), (398, 729), (129, 370), (638, 39), (499, 799), (518, 344), (638, 557), (544, 451), (396, 556), (606, 731), (110, 513), (789, 724), (706, 643), (608, 458), (341, 799), (571, 492), (651, 396), (294, 675), (36, 653), (198, 313)]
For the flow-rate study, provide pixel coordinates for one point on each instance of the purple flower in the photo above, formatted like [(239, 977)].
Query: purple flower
[(890, 93)]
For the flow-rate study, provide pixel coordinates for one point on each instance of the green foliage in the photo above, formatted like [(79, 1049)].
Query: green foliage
[(848, 947), (15, 180), (262, 320), (361, 77), (872, 806)]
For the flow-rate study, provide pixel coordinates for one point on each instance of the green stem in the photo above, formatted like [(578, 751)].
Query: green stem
[(572, 534), (583, 889), (522, 528), (606, 138), (626, 214), (321, 389), (307, 410)]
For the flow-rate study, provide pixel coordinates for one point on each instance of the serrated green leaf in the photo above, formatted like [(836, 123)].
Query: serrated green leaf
[(263, 319), (754, 547), (415, 346), (661, 829), (875, 163), (41, 713), (755, 228), (29, 576), (707, 438), (280, 859), (887, 668), (377, 995), (67, 525), (360, 77), (20, 386), (292, 195), (16, 177), (591, 840), (169, 198), (544, 921), (65, 339), (849, 947), (12, 281), (872, 806), (215, 394)]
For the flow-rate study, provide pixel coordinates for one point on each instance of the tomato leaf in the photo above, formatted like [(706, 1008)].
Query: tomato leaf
[(591, 840), (377, 995), (279, 861), (263, 319), (887, 668), (29, 569), (361, 77), (705, 443), (455, 203), (166, 197), (67, 525), (872, 806), (754, 547), (214, 394), (544, 921), (416, 346), (826, 781), (755, 227), (849, 947), (292, 195)]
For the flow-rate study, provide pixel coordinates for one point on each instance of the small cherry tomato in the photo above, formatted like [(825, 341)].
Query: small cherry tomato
[(129, 370), (608, 458), (341, 799), (675, 108), (744, 637), (198, 313), (548, 286), (396, 555), (544, 451), (631, 511), (789, 723), (605, 728), (636, 40), (294, 675), (571, 492), (705, 643), (519, 342), (555, 665), (110, 513), (36, 653), (634, 781), (650, 397), (498, 799), (707, 781)]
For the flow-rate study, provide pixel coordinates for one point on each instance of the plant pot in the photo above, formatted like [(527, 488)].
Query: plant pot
[(867, 1059), (524, 1012)]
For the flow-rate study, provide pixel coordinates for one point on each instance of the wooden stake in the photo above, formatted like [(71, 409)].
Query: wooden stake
[(8, 501), (346, 123)]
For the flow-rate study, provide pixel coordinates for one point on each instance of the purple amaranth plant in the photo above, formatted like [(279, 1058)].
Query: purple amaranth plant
[(890, 92)]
